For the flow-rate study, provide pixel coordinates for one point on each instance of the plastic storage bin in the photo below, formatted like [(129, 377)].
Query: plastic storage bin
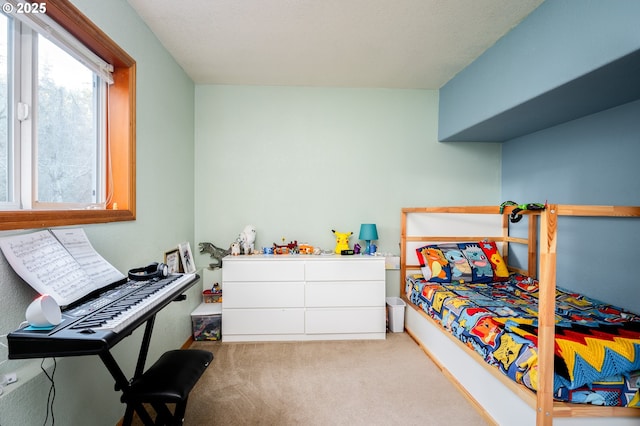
[(395, 314), (206, 321)]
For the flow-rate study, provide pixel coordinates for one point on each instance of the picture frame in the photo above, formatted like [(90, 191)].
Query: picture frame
[(186, 257), (173, 261)]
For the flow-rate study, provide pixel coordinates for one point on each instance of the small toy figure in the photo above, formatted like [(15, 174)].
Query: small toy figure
[(291, 248), (305, 249), (356, 248), (246, 239), (216, 253), (235, 248), (280, 249), (342, 241)]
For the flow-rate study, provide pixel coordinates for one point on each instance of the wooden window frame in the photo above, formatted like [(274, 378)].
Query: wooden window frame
[(121, 136)]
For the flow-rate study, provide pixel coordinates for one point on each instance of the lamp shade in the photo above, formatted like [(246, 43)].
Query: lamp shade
[(368, 232), (43, 312)]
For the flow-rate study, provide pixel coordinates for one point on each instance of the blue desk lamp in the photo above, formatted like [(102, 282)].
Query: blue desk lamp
[(368, 233)]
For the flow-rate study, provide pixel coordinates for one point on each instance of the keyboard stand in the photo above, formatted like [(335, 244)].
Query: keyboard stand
[(135, 392), (122, 383), (129, 394)]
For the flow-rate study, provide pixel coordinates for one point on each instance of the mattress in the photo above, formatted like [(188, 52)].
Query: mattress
[(597, 346)]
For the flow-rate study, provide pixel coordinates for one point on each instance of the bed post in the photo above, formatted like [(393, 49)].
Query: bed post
[(403, 250), (546, 315), (532, 265), (505, 238)]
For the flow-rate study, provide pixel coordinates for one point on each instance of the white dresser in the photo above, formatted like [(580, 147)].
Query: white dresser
[(303, 297)]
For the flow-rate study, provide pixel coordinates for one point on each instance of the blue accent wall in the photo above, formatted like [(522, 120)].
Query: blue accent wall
[(567, 59), (592, 160), (561, 91)]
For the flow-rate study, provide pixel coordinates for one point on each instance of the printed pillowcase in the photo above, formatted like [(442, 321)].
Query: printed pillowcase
[(468, 262), (443, 263), (481, 270), (434, 265), (459, 264), (500, 270)]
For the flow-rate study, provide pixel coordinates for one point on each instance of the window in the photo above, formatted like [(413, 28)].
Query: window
[(70, 118), (76, 164), (5, 118), (55, 139)]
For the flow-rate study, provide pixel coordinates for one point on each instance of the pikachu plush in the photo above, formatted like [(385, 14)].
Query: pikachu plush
[(342, 240)]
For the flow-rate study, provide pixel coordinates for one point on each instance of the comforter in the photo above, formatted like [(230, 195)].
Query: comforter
[(597, 346)]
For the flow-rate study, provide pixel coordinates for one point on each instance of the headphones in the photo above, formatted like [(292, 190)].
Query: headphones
[(149, 272)]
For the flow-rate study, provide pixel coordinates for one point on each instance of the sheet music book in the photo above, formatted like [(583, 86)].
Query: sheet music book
[(61, 263)]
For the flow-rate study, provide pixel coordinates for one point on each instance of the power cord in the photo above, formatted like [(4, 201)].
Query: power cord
[(8, 378), (11, 378), (4, 380), (52, 391)]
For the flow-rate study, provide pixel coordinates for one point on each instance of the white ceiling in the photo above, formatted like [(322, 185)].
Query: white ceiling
[(339, 43)]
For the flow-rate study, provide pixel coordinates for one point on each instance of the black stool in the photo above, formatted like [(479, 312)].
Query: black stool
[(168, 381)]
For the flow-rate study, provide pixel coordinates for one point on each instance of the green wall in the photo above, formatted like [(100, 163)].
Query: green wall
[(297, 162), (165, 200)]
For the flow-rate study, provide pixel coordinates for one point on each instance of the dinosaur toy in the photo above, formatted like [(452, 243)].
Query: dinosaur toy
[(215, 252)]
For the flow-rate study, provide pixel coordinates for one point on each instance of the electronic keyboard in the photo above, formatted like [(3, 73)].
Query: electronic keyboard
[(96, 325)]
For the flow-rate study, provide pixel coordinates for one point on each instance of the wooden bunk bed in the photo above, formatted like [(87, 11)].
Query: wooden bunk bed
[(498, 398)]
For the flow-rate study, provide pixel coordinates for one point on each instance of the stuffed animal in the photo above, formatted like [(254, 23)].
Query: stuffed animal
[(305, 249), (247, 238), (235, 248), (342, 240)]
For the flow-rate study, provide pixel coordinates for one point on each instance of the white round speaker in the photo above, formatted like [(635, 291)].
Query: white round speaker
[(44, 312)]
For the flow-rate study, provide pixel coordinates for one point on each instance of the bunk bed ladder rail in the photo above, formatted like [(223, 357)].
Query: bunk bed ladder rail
[(546, 316)]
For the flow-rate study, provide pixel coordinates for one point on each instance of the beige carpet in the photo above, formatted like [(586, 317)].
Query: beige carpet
[(374, 382)]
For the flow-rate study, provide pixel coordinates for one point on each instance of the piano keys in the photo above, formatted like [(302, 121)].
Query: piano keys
[(96, 325)]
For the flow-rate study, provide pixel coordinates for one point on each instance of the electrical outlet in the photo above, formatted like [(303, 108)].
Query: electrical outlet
[(8, 378)]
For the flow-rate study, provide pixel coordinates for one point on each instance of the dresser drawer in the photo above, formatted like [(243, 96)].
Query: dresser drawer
[(268, 297), (262, 321), (346, 270), (262, 270), (345, 293), (262, 294), (345, 320)]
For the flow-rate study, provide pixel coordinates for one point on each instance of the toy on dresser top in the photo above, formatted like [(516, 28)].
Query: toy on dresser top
[(247, 238), (291, 248), (305, 249), (244, 244), (342, 242), (215, 253)]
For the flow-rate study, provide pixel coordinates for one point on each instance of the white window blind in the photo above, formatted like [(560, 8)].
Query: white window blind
[(50, 29)]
